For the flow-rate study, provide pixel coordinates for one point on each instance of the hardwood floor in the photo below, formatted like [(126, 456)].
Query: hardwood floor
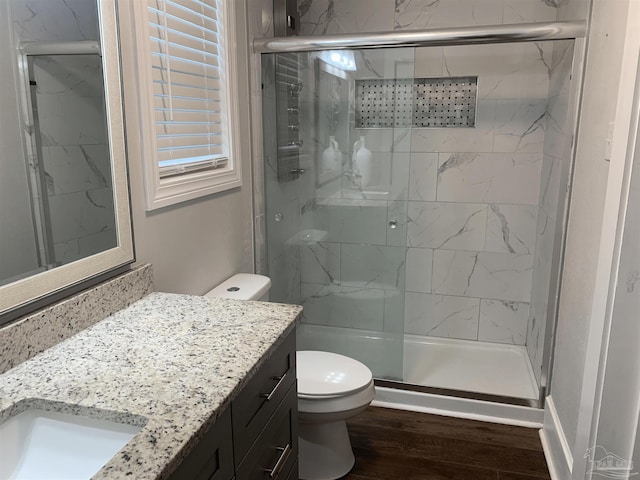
[(399, 445)]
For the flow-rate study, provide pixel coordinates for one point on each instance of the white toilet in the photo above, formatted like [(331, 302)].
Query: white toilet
[(331, 389)]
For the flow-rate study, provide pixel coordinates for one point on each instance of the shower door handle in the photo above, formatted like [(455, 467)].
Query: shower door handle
[(296, 171)]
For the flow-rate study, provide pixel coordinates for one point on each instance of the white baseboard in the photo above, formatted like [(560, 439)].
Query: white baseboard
[(555, 445)]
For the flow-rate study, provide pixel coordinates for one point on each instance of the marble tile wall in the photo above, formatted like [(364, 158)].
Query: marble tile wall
[(466, 201), (49, 20), (553, 190), (72, 144), (319, 17)]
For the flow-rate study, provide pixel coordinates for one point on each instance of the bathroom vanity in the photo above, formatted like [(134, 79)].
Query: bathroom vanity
[(262, 422), (211, 383)]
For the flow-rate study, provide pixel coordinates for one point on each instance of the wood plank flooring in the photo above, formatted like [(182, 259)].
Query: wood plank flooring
[(399, 445)]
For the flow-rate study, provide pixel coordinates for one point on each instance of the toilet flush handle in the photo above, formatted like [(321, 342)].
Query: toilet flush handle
[(269, 396)]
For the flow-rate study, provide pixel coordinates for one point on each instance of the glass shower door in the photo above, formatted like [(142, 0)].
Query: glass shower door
[(336, 186)]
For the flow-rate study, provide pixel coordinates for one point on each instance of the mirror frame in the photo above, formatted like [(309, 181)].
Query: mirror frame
[(18, 294)]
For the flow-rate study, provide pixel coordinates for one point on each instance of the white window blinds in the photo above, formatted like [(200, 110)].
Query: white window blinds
[(189, 94)]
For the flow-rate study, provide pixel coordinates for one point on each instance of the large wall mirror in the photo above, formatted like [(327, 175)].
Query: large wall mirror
[(64, 209)]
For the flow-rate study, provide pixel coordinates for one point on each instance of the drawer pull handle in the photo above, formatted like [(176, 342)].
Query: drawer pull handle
[(270, 395), (284, 456)]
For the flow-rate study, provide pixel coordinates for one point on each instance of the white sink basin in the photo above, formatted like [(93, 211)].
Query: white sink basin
[(37, 444)]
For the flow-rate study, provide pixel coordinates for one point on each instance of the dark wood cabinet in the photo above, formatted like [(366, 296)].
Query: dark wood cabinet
[(253, 408), (275, 451), (212, 457), (257, 437)]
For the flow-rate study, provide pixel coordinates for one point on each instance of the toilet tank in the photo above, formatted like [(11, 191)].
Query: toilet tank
[(243, 286)]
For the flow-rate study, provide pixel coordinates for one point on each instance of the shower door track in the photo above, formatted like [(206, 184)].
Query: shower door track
[(447, 392), (477, 35)]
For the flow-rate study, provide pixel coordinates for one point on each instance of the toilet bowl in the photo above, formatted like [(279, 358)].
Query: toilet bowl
[(331, 389)]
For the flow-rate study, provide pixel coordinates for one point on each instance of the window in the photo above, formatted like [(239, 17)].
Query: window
[(186, 87)]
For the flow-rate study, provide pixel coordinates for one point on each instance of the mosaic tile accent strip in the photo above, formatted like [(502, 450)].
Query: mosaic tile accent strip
[(418, 102)]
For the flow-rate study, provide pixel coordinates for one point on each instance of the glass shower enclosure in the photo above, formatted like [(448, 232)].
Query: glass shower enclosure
[(336, 204), (415, 202)]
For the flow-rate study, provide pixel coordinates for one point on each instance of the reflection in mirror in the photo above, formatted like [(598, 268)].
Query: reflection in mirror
[(64, 136), (60, 110)]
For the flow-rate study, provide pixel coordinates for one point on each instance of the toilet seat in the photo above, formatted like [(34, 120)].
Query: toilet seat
[(325, 375), (334, 408), (306, 396)]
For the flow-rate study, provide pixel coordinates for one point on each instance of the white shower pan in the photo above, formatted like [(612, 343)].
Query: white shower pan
[(480, 367)]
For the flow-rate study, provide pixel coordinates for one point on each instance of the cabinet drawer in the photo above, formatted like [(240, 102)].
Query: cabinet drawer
[(275, 452), (258, 401), (293, 474), (212, 457)]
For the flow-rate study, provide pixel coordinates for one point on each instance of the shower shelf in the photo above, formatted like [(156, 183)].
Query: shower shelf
[(416, 102)]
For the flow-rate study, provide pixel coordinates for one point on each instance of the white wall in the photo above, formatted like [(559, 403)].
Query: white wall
[(610, 401), (585, 218), (591, 234), (618, 415), (194, 245)]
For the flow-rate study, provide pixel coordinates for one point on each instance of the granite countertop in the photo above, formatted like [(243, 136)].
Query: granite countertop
[(168, 362)]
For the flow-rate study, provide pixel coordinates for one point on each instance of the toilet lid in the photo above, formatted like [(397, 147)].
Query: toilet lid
[(327, 374)]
